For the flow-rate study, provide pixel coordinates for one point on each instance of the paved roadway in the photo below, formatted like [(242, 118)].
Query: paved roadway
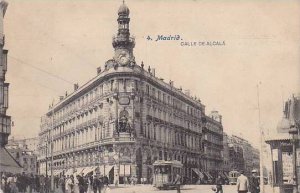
[(184, 189)]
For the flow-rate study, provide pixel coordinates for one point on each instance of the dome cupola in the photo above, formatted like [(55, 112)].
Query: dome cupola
[(123, 10)]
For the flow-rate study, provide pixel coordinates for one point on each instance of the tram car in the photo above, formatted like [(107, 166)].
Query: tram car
[(165, 173)]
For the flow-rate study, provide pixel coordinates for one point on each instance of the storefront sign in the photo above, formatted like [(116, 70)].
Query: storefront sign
[(275, 154), (298, 157), (287, 167)]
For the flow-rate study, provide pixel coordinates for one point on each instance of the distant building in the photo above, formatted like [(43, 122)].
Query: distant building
[(26, 143), (226, 158), (236, 153), (240, 154), (24, 152), (213, 145), (26, 158)]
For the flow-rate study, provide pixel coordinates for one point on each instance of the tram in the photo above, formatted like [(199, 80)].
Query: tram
[(233, 175), (165, 173)]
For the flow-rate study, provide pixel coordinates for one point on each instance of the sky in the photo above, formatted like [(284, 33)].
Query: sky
[(54, 44)]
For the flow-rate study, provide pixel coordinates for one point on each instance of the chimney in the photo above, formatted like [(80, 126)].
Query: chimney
[(76, 86), (98, 70), (153, 71), (187, 92), (61, 98), (171, 83)]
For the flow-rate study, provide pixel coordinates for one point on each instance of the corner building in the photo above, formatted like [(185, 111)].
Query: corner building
[(121, 121)]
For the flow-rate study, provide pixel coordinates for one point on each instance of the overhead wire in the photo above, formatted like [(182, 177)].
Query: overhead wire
[(39, 69)]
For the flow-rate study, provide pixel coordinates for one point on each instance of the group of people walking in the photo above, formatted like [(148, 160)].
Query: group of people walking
[(243, 184), (22, 183), (83, 184)]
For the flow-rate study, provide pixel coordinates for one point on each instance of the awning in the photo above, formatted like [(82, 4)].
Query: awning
[(78, 171), (8, 163), (88, 170), (108, 168), (197, 171), (208, 175), (225, 173), (125, 170)]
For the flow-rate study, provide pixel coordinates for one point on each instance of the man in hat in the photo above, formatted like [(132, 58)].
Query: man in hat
[(242, 183), (254, 182)]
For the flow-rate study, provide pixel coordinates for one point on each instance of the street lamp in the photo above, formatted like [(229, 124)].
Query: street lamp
[(294, 133)]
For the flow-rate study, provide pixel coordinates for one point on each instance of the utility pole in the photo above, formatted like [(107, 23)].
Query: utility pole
[(261, 171)]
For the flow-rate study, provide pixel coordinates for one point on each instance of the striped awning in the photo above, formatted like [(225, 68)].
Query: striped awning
[(197, 171), (208, 175), (225, 173), (89, 170), (79, 171)]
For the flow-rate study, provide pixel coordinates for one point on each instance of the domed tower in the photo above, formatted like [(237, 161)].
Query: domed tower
[(123, 43)]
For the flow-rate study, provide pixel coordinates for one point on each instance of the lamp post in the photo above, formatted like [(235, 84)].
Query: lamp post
[(294, 133)]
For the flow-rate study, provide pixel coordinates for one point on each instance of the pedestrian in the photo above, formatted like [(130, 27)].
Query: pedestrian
[(76, 184), (31, 183), (37, 183), (177, 182), (4, 186), (72, 184), (62, 183), (254, 182), (219, 183), (68, 184), (12, 180), (105, 181), (96, 184), (90, 185), (86, 182), (42, 184), (242, 183), (80, 184)]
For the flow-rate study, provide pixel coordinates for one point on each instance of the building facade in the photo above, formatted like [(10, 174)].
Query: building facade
[(213, 145), (5, 120), (7, 163), (123, 120), (226, 158)]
